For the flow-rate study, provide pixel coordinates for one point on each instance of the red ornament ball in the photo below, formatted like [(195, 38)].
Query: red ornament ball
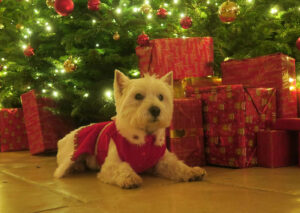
[(143, 40), (162, 12), (186, 22), (298, 43), (29, 51), (93, 5), (64, 7)]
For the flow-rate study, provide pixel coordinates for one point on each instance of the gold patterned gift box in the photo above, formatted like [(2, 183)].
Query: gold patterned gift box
[(232, 117), (13, 135)]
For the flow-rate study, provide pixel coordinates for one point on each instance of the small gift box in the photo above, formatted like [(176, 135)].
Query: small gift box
[(13, 135), (44, 129), (277, 148), (186, 132)]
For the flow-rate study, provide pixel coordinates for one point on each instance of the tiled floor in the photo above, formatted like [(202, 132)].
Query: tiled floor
[(26, 185)]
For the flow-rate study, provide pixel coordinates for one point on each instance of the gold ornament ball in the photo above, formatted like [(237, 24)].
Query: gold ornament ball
[(116, 36), (50, 3), (69, 66), (228, 12), (146, 8), (19, 26)]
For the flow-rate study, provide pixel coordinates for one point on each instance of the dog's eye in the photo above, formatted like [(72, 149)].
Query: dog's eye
[(139, 96), (161, 97)]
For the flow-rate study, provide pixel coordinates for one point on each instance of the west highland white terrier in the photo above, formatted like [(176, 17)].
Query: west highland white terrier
[(134, 142)]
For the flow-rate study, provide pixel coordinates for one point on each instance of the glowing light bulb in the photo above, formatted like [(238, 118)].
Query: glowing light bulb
[(38, 22), (29, 31), (108, 94), (181, 15), (55, 93), (46, 23), (169, 13), (44, 91), (146, 2), (25, 36), (5, 73), (175, 1), (56, 70), (62, 71), (3, 59), (24, 46), (162, 25), (292, 88), (208, 2), (135, 9), (50, 85), (28, 87), (249, 1), (48, 28), (86, 95), (274, 10), (124, 4), (118, 10), (166, 4), (183, 37), (149, 16), (36, 11), (5, 67), (94, 21), (291, 80), (97, 45)]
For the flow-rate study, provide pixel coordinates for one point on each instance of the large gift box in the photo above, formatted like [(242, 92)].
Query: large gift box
[(233, 115), (186, 132), (277, 71), (44, 128), (277, 148), (186, 57), (12, 130)]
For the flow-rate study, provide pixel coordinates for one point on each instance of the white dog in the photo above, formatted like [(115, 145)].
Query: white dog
[(134, 142)]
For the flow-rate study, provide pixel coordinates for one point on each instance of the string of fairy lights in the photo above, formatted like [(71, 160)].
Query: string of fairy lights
[(108, 94)]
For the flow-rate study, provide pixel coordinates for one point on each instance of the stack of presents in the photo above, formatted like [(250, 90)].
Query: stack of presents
[(34, 126), (248, 118)]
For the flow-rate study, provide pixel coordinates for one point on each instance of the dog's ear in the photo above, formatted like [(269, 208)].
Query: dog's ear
[(168, 78), (119, 83)]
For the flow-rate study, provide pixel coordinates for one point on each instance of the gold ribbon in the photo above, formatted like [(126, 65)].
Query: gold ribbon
[(179, 89), (180, 133), (201, 81)]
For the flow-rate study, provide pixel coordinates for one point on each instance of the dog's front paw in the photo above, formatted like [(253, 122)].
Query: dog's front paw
[(192, 174), (130, 181), (197, 174)]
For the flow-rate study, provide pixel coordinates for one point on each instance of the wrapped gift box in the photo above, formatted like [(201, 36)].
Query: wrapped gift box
[(186, 132), (44, 129), (277, 148), (276, 71), (13, 135), (186, 57), (233, 115)]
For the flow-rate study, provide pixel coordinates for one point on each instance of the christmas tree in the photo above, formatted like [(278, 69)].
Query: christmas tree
[(72, 58)]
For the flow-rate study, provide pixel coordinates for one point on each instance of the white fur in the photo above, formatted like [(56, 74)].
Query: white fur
[(133, 121)]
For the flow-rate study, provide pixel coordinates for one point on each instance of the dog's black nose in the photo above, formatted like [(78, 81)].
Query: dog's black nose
[(154, 111)]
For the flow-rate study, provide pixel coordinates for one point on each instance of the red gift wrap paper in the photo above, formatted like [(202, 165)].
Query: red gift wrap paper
[(186, 132), (186, 57), (276, 70), (12, 130), (277, 148), (292, 124), (233, 115), (44, 129)]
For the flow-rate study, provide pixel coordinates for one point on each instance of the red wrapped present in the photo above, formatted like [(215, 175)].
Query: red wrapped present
[(186, 57), (292, 124), (277, 71), (232, 116), (44, 129), (186, 132), (276, 148), (12, 130)]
